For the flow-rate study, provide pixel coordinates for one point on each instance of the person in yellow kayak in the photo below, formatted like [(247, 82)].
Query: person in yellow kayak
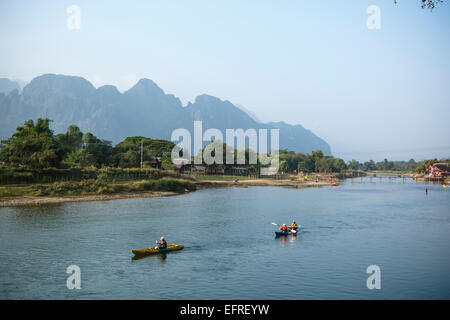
[(294, 225), (162, 244)]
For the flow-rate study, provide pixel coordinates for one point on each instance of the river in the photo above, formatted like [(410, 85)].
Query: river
[(230, 248)]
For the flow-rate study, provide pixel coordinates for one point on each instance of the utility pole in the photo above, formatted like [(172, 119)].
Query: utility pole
[(142, 153)]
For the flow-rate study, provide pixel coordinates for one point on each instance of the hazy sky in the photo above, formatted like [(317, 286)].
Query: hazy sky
[(368, 93)]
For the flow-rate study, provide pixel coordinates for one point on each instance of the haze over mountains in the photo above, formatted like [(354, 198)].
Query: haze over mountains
[(6, 86), (144, 110)]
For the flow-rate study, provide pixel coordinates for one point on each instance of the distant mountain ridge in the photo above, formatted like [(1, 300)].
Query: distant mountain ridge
[(143, 110), (6, 86)]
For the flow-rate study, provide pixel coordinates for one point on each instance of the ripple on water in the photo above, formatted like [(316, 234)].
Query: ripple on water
[(230, 248)]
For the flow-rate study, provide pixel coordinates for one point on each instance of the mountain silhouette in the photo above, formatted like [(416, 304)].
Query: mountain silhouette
[(143, 110)]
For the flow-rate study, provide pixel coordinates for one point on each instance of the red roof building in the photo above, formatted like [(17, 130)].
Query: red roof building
[(439, 170)]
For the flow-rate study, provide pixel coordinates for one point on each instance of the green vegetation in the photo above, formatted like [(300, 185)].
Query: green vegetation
[(96, 187), (289, 161), (422, 166), (385, 165), (128, 152), (15, 175), (394, 166), (34, 146), (317, 162), (210, 149), (77, 163)]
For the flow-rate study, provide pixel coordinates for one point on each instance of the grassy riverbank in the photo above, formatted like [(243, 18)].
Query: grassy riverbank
[(103, 189), (90, 189), (95, 187)]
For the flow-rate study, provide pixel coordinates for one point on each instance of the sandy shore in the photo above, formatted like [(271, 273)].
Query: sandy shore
[(202, 184), (264, 183)]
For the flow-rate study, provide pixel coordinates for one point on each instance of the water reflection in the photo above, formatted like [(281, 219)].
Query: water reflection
[(35, 211), (285, 240), (293, 240), (160, 256)]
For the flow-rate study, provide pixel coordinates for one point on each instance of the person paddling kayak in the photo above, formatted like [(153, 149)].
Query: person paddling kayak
[(284, 228), (162, 244), (294, 226)]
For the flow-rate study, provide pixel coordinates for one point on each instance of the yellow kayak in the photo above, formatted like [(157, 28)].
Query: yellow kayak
[(170, 247)]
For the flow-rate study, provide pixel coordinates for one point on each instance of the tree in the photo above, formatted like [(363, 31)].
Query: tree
[(369, 165), (33, 145), (354, 165), (101, 150), (130, 159), (127, 154), (80, 158), (385, 165), (317, 155), (284, 166), (422, 167), (83, 150), (322, 165), (430, 4), (70, 141), (292, 159), (336, 164), (307, 165)]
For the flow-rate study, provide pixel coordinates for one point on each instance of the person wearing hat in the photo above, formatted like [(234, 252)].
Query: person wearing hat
[(162, 244)]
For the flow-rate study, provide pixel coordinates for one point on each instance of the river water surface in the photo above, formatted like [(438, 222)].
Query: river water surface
[(230, 248)]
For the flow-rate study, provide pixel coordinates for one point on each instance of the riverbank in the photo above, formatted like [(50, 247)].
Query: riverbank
[(36, 201), (44, 194), (261, 182), (406, 174), (90, 190)]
